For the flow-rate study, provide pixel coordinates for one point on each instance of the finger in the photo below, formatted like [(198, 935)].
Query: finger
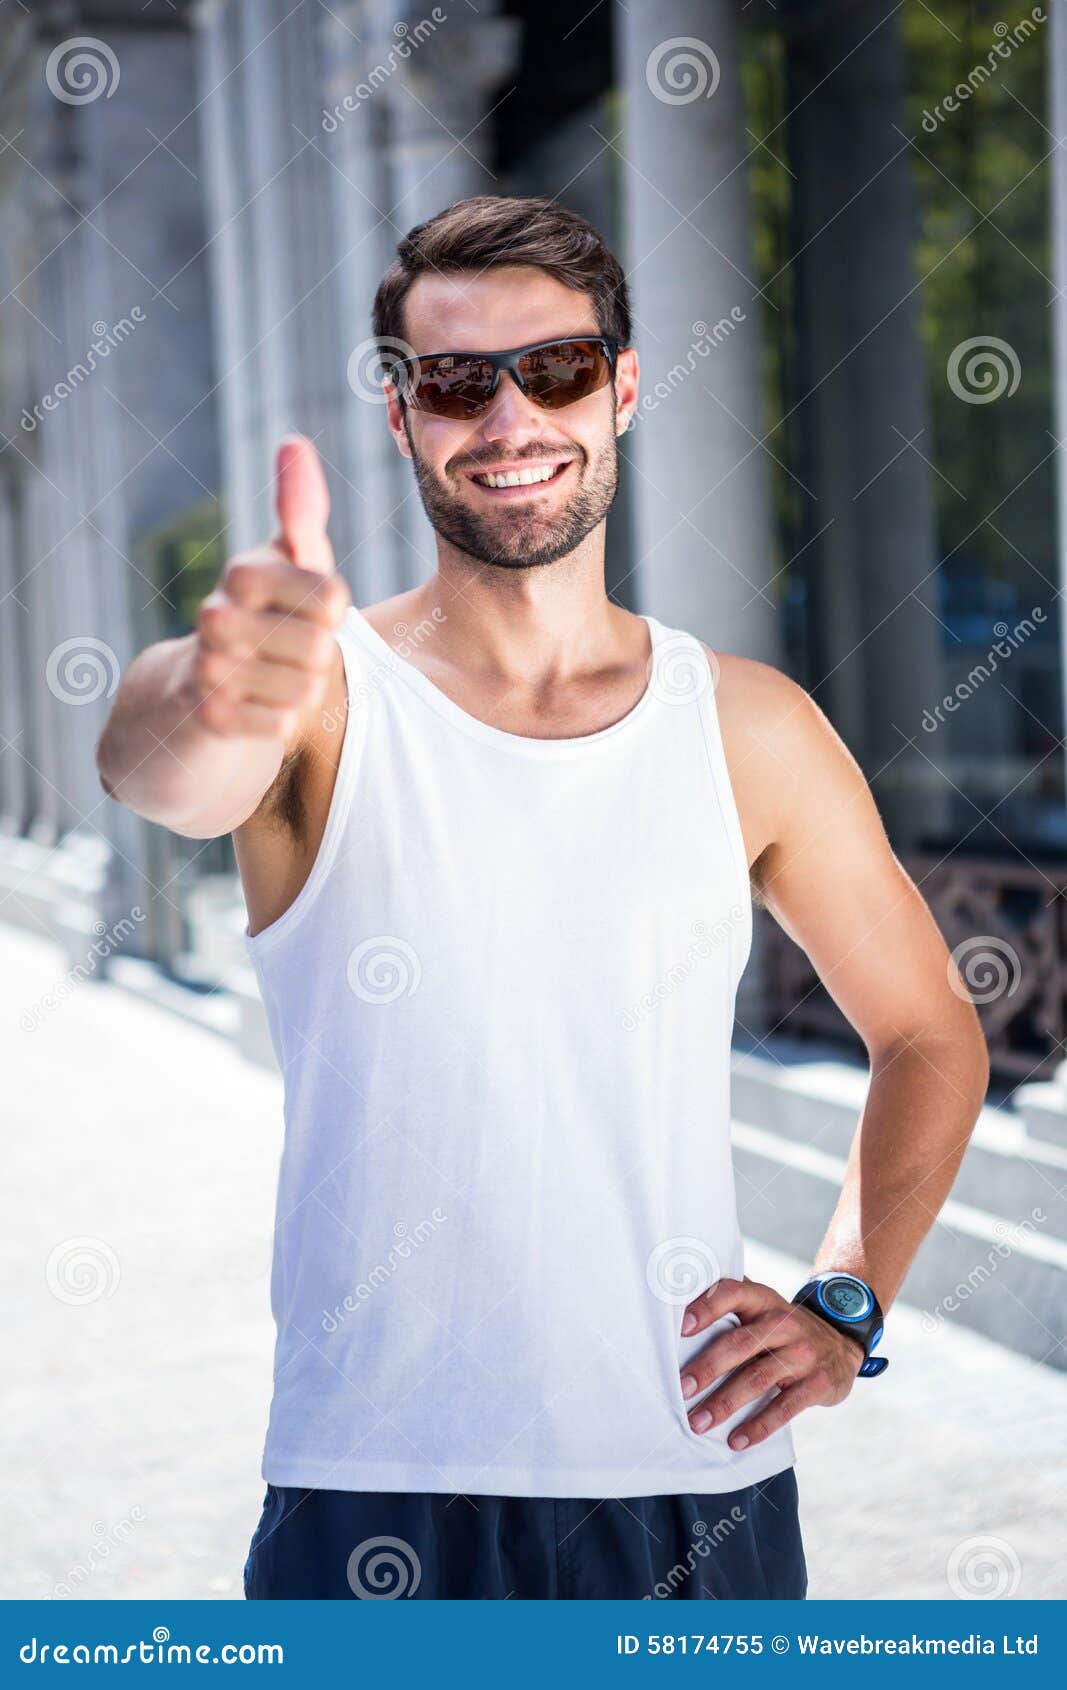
[(232, 718), (265, 634), (271, 552), (791, 1401), (739, 1345), (252, 680), (281, 587), (302, 501), (765, 1372), (743, 1297)]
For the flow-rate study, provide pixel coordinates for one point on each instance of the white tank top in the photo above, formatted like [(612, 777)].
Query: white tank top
[(502, 1005)]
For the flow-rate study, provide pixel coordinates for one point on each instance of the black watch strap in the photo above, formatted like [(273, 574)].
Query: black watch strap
[(847, 1302)]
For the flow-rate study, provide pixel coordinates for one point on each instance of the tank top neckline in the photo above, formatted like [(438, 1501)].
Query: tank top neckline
[(524, 744)]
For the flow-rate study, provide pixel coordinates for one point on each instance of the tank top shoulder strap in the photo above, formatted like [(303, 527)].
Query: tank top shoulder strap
[(364, 653), (680, 668), (685, 675), (364, 672)]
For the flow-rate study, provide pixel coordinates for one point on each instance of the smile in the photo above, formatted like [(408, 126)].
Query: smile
[(517, 482)]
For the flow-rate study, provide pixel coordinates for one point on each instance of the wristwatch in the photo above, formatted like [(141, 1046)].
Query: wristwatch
[(847, 1302)]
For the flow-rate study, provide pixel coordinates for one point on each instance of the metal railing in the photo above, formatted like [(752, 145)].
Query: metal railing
[(1005, 923)]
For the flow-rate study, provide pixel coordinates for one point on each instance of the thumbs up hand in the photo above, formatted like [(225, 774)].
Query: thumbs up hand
[(265, 635)]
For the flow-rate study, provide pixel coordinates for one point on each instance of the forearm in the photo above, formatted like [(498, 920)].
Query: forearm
[(924, 1098), (158, 758)]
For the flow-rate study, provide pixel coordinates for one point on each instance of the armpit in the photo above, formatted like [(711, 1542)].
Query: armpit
[(282, 805), (756, 884)]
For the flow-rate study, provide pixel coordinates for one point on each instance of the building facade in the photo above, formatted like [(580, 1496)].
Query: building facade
[(200, 201)]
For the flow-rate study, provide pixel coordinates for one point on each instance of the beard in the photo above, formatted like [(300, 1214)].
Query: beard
[(520, 537)]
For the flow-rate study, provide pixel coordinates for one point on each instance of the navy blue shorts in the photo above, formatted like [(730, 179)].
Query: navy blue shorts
[(384, 1545)]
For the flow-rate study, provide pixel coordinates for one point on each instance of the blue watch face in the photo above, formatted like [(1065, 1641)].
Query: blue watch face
[(845, 1298)]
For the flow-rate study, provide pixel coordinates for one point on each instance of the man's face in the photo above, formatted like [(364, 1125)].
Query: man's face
[(512, 527)]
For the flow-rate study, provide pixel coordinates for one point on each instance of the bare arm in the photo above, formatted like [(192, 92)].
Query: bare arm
[(201, 725), (834, 884), (830, 877)]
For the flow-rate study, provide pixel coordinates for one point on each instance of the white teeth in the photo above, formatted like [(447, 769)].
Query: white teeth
[(518, 477)]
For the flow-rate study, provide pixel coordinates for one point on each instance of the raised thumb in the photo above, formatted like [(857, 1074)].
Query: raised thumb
[(302, 501)]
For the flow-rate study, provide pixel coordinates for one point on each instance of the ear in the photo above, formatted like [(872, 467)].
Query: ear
[(627, 382), (398, 416)]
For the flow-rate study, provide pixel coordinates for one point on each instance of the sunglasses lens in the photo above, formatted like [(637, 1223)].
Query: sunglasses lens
[(450, 387), (461, 387), (558, 375)]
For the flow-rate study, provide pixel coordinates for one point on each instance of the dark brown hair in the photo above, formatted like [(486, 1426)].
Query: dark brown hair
[(489, 231)]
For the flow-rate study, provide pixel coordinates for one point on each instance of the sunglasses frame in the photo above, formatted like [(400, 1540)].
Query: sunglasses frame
[(509, 361)]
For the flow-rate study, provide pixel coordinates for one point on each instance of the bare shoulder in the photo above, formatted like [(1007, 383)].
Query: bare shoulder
[(761, 705), (778, 743)]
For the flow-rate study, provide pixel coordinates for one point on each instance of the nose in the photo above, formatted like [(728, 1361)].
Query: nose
[(510, 413)]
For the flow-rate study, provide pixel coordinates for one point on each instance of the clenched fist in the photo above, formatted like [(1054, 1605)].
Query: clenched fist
[(264, 641)]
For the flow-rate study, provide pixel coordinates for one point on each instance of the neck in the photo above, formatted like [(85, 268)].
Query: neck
[(523, 624)]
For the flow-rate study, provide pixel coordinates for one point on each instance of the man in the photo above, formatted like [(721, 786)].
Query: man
[(496, 837)]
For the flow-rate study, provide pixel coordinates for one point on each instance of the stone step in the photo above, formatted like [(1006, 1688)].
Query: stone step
[(1042, 1108), (1006, 1170), (997, 1273)]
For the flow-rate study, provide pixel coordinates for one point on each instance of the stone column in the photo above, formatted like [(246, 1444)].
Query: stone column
[(268, 143), (704, 540), (320, 330), (48, 515), (135, 486), (233, 278), (74, 571), (14, 773)]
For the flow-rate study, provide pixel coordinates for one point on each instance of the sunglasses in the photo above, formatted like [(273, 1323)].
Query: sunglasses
[(461, 385)]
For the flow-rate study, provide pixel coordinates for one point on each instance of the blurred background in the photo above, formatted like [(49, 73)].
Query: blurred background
[(845, 225)]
